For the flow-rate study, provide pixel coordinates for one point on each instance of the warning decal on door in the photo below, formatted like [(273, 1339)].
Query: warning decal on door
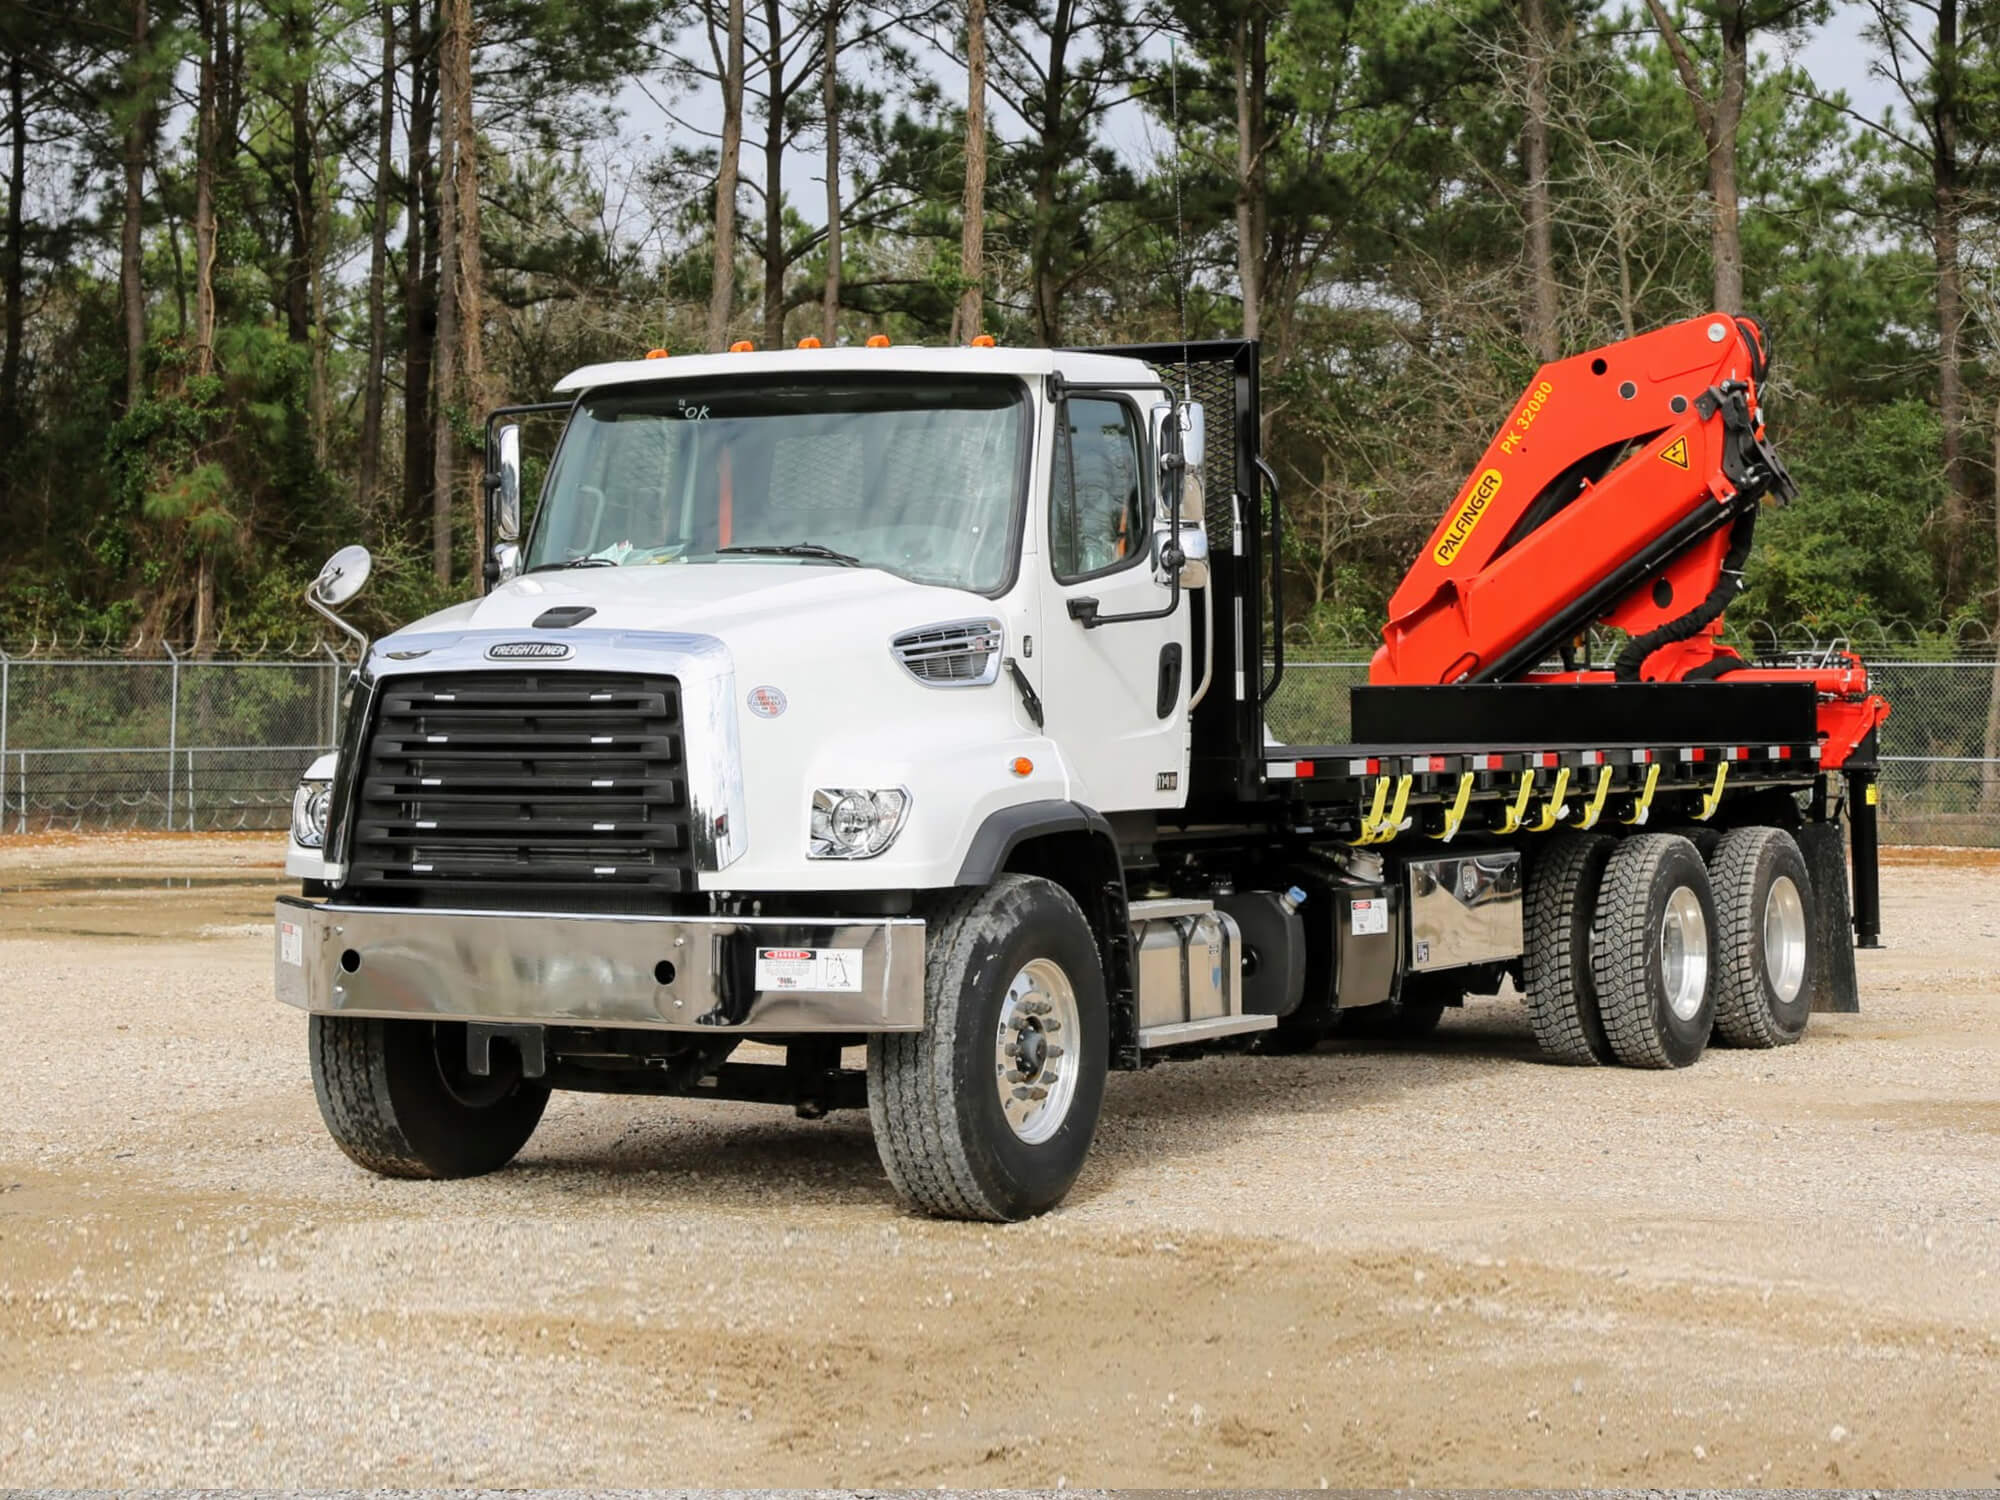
[(818, 969), (1676, 453)]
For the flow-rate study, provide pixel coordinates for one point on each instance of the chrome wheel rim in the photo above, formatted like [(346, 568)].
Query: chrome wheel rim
[(1684, 953), (1034, 1050), (1785, 939)]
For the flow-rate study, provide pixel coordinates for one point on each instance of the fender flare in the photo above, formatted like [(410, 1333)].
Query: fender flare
[(1004, 830)]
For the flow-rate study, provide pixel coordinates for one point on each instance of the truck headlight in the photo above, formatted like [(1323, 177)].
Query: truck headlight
[(851, 823), (309, 809)]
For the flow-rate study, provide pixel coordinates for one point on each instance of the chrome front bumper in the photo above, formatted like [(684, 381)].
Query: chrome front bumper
[(746, 974)]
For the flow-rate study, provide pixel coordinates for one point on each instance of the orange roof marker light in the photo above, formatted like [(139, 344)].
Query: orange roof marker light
[(878, 341), (983, 341), (741, 346), (809, 342), (656, 354)]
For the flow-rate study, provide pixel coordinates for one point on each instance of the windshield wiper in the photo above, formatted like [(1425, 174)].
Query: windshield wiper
[(793, 549), (574, 562)]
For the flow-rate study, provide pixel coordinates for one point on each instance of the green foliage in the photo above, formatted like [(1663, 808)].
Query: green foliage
[(1392, 266), (1850, 549)]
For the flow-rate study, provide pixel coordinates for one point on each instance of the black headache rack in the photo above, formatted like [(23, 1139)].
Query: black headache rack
[(1244, 544)]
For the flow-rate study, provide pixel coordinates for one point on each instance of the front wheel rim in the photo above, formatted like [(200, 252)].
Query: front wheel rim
[(1785, 939), (1036, 1052), (1684, 953)]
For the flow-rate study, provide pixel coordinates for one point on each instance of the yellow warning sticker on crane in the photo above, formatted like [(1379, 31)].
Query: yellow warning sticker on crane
[(1676, 453)]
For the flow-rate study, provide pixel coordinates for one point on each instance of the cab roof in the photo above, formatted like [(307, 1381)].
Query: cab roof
[(905, 359)]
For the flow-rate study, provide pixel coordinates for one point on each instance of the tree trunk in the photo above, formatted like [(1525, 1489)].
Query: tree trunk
[(204, 191), (373, 374), (1248, 54), (17, 229), (722, 298), (131, 248), (420, 233), (830, 104), (775, 260), (1948, 213), (1717, 120), (968, 319), (298, 261), (471, 301), (1048, 167), (1543, 333), (1725, 233), (204, 605), (444, 372)]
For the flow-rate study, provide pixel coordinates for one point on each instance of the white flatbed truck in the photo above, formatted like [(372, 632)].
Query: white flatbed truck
[(914, 700)]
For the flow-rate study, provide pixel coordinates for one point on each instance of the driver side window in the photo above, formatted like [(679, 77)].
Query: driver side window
[(1097, 502)]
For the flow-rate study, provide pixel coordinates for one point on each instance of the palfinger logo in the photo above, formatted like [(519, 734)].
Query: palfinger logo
[(1470, 509)]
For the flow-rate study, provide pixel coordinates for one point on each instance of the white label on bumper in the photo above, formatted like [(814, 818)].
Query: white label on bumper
[(291, 944), (836, 970), (1369, 916)]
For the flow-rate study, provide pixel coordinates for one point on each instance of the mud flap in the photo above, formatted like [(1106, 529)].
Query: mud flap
[(1835, 987)]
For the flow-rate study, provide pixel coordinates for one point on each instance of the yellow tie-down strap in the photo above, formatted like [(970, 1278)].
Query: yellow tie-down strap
[(1455, 814), (1644, 802), (1552, 810), (1711, 798), (1512, 814), (1378, 827), (1594, 808)]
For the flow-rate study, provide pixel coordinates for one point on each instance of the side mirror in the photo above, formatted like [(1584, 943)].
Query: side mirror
[(1194, 435), (506, 561), (344, 576), (507, 468), (1188, 556)]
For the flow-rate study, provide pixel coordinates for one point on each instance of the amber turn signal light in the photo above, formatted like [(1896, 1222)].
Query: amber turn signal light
[(1022, 766)]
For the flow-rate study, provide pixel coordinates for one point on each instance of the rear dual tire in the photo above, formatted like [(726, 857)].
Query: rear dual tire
[(1764, 903), (1652, 948)]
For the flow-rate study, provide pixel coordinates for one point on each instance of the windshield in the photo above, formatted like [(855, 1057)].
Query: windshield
[(918, 477)]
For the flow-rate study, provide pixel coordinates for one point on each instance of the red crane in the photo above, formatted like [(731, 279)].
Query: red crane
[(1622, 491)]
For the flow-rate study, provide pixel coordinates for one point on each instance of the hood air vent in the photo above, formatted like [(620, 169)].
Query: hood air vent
[(960, 653)]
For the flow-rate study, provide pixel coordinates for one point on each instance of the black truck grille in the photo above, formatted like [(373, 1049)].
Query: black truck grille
[(558, 790)]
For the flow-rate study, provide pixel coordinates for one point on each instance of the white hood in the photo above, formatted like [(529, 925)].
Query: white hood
[(728, 599)]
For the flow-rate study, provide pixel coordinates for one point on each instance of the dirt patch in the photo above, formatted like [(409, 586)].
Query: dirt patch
[(1454, 1265)]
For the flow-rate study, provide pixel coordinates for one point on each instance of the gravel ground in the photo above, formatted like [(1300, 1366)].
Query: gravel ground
[(1366, 1267)]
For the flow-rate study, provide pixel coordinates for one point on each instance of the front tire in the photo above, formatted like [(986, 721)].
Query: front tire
[(1763, 903), (1651, 952), (988, 1112), (398, 1098)]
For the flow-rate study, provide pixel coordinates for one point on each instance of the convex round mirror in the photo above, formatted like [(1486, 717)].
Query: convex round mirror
[(345, 574)]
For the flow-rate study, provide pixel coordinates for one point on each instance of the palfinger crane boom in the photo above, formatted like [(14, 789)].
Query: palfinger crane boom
[(1623, 492)]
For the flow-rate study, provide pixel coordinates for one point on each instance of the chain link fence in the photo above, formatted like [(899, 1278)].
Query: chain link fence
[(172, 743), (159, 743)]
